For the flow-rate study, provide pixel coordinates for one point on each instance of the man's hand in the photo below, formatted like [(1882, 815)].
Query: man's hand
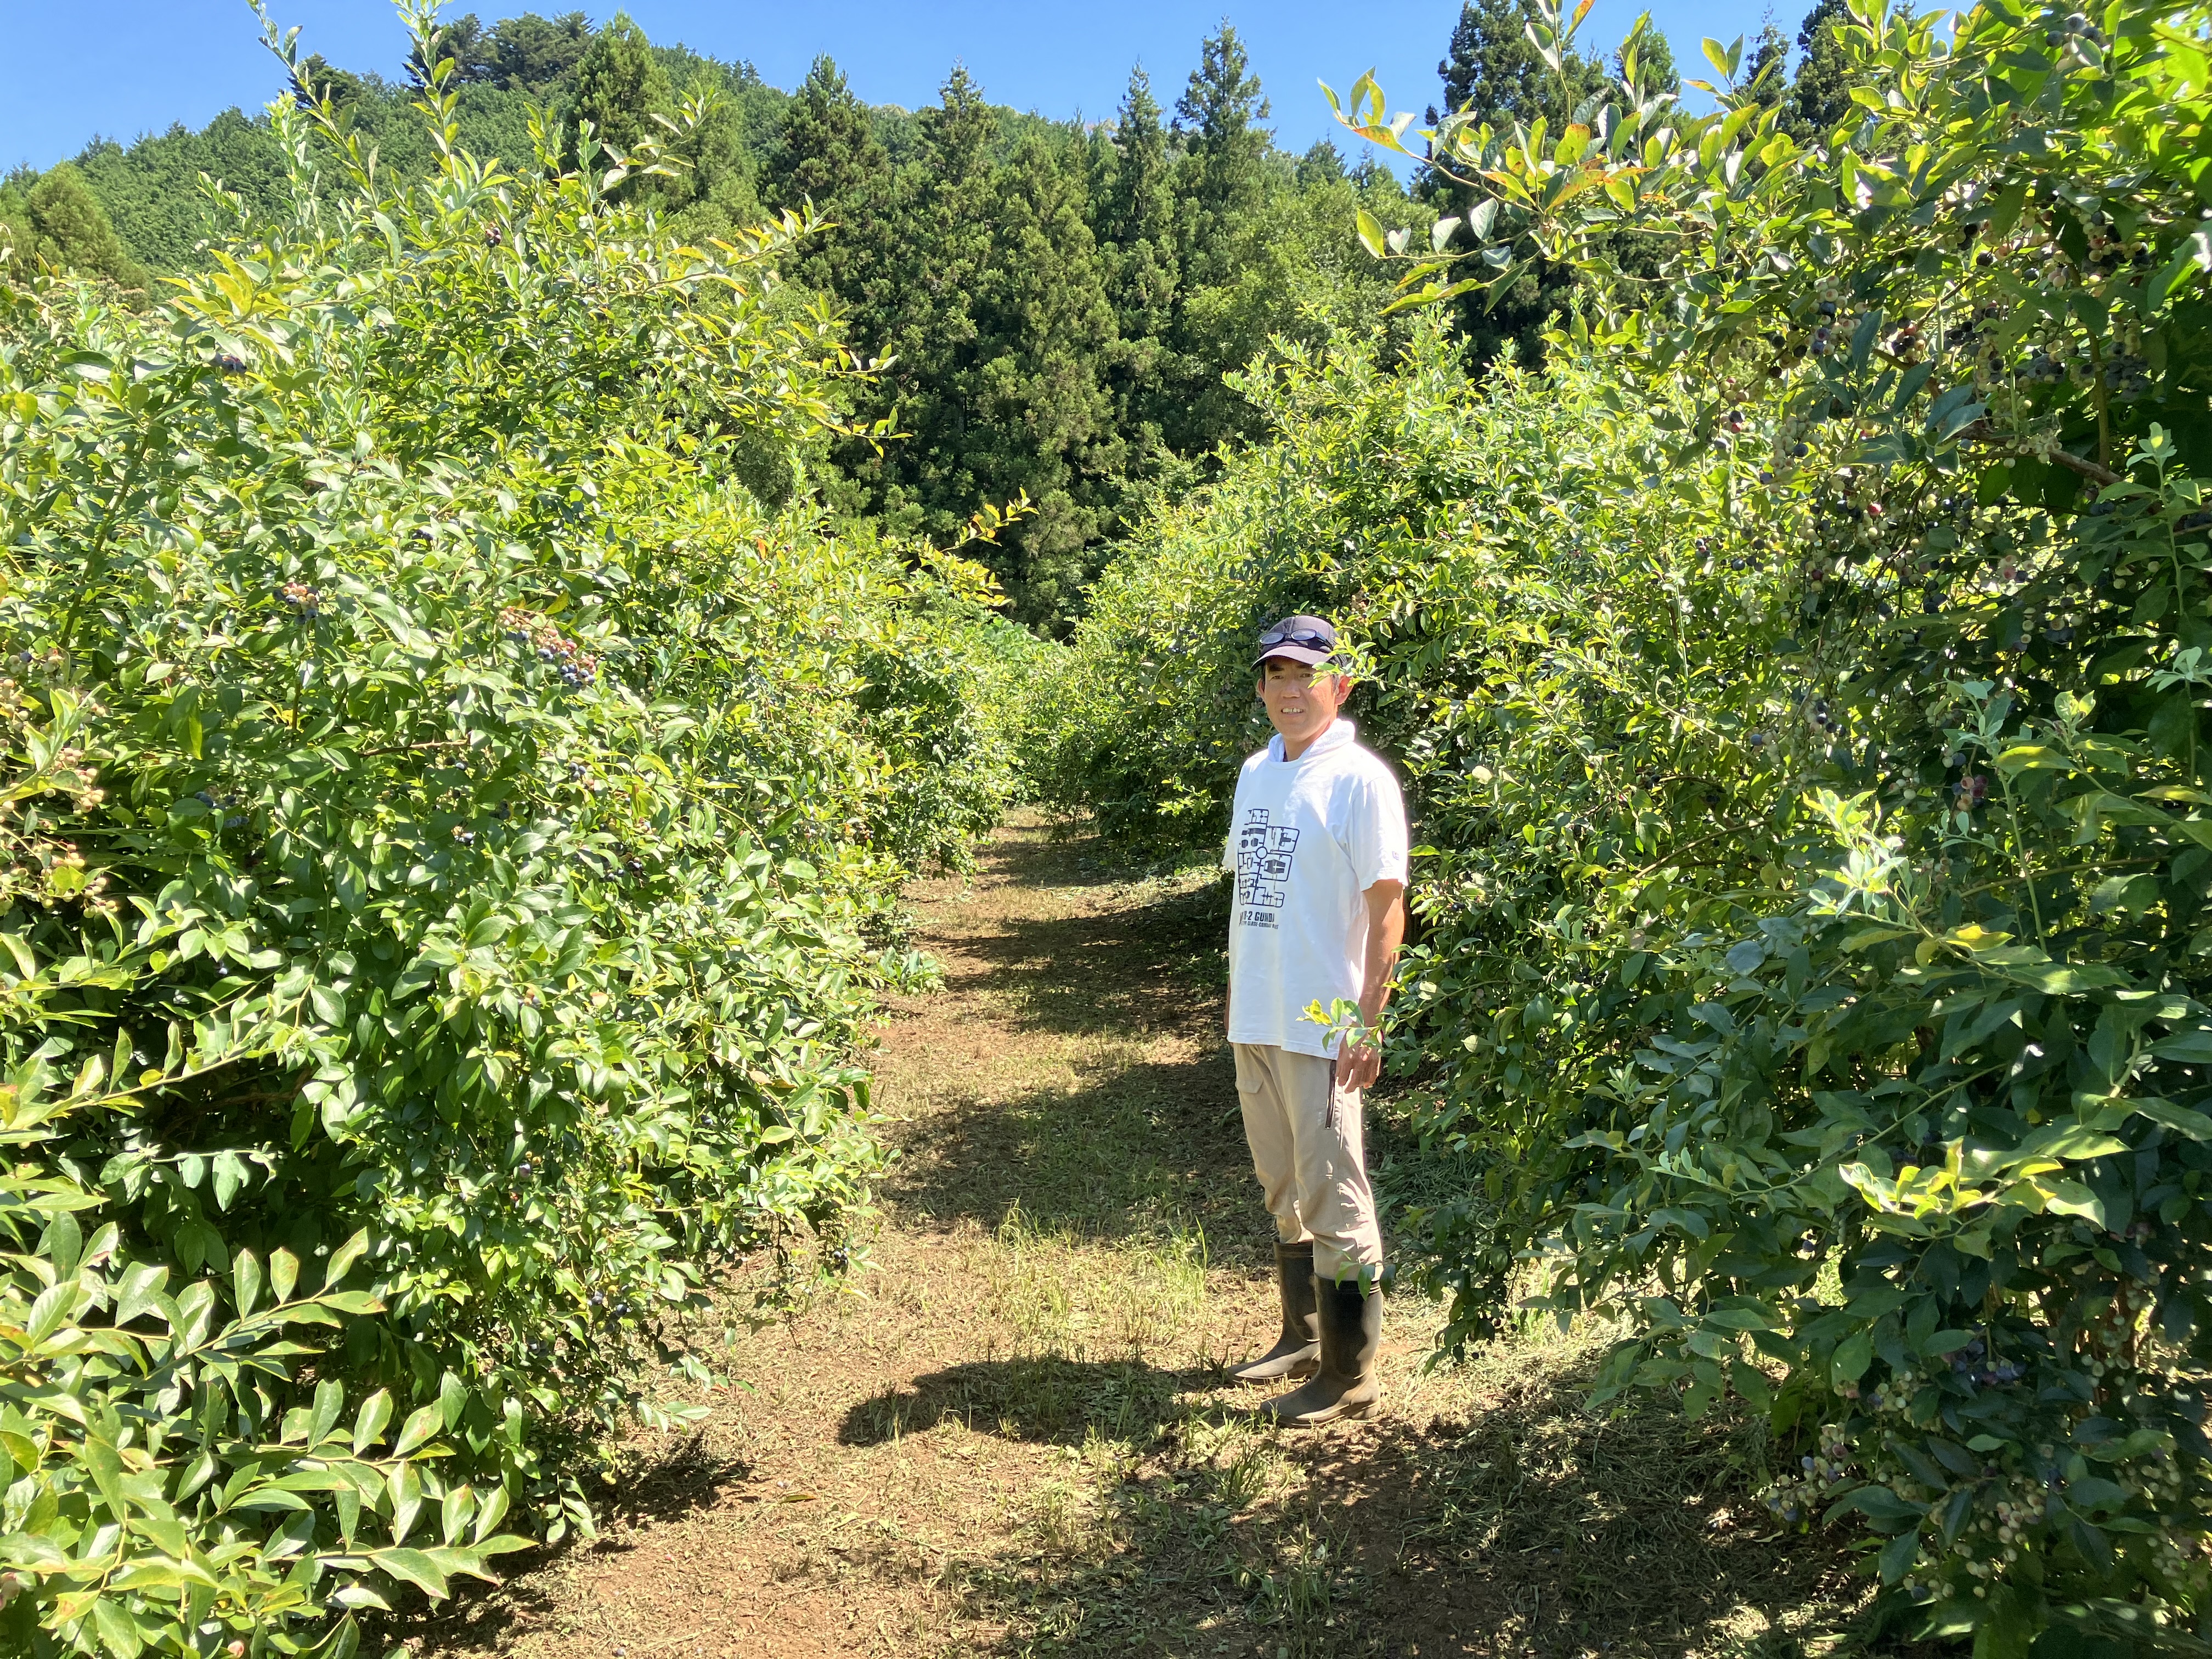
[(1359, 1063)]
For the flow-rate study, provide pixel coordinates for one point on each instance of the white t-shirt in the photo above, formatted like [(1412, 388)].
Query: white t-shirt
[(1306, 838)]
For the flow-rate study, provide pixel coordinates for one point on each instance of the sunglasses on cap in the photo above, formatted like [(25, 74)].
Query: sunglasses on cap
[(1305, 638)]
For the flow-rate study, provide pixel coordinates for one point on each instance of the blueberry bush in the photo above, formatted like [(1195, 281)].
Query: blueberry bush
[(450, 831), (1803, 696)]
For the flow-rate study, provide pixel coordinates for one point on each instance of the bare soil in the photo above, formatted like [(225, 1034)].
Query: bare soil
[(1012, 1434)]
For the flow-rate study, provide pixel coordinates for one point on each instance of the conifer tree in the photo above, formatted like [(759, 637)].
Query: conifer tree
[(1493, 71), (1766, 70), (1223, 178), (825, 151), (531, 53), (1655, 68), (620, 83), (1820, 97), (1046, 325), (1223, 184), (1134, 207), (938, 241), (52, 216), (712, 191), (958, 134), (315, 81), (993, 307), (1322, 164), (465, 40)]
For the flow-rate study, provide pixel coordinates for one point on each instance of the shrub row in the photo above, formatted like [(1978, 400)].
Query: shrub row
[(1803, 694), (451, 835)]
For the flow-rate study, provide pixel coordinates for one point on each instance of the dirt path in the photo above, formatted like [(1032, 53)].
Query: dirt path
[(1014, 1439)]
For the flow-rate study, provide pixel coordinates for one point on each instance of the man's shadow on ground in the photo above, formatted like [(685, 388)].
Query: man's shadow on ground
[(1042, 1398)]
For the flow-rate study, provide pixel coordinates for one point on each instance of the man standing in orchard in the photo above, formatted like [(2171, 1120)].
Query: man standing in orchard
[(1317, 841)]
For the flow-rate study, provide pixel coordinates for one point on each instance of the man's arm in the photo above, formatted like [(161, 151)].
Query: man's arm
[(1362, 1063)]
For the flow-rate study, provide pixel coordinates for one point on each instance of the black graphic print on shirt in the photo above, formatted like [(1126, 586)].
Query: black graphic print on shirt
[(1265, 853)]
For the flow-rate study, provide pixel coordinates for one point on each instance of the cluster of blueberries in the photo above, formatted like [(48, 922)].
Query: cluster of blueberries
[(1968, 1365), (578, 668), (1792, 1496), (2128, 375), (2074, 23), (216, 804), (1824, 340), (1839, 518), (2125, 373), (305, 602)]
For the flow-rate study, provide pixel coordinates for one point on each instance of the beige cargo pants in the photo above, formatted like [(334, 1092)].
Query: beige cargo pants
[(1311, 1155)]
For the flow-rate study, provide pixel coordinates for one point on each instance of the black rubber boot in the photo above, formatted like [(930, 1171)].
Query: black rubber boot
[(1351, 1336), (1298, 1350)]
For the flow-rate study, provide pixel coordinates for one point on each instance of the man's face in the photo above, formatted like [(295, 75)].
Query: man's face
[(1301, 700)]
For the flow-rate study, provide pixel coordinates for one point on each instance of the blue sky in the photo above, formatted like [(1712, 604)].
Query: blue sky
[(118, 68)]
